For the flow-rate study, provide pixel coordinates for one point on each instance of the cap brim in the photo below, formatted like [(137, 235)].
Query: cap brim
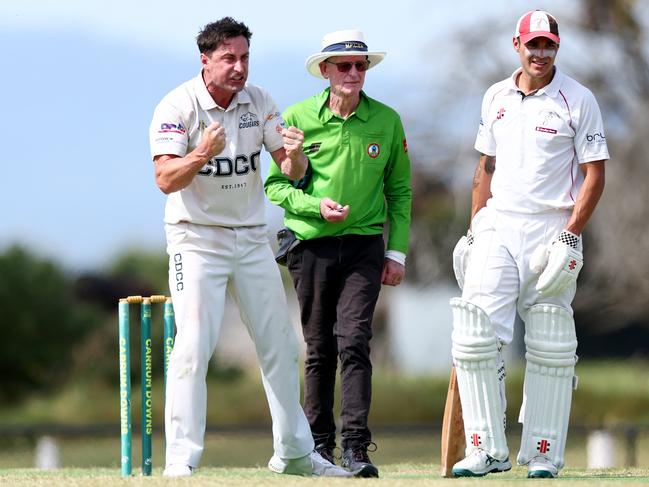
[(525, 38), (312, 63)]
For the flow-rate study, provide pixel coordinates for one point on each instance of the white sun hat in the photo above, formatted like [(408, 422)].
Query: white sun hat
[(342, 43)]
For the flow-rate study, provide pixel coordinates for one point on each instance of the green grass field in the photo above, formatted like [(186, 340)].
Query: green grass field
[(240, 459), (400, 475), (610, 395)]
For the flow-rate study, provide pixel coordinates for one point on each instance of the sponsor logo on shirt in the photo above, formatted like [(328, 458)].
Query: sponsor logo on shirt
[(595, 138), (546, 122), (547, 118), (312, 148), (405, 145), (272, 115), (248, 120), (164, 138), (240, 165), (172, 127), (500, 114), (373, 150)]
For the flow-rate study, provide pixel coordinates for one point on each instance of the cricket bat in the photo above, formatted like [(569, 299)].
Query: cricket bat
[(453, 441)]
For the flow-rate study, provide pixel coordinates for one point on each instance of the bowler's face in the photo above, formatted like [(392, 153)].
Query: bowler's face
[(537, 56), (226, 68), (343, 84)]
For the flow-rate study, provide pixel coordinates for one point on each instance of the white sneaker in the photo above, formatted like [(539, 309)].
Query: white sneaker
[(480, 463), (541, 468), (177, 470), (311, 465)]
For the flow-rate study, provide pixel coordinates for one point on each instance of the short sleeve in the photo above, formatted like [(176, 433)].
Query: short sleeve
[(590, 140), (168, 133), (485, 142), (273, 124)]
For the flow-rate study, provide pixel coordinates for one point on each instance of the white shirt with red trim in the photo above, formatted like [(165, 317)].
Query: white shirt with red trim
[(228, 191), (539, 141)]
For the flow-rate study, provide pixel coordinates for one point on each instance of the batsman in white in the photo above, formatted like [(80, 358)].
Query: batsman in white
[(538, 180), (206, 137)]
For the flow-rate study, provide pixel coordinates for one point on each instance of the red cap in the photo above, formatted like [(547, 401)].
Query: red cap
[(537, 23)]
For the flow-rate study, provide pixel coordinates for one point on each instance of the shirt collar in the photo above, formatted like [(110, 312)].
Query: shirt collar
[(325, 114), (206, 101), (551, 90)]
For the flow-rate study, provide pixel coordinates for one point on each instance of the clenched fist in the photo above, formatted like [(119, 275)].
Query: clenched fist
[(293, 140), (213, 140)]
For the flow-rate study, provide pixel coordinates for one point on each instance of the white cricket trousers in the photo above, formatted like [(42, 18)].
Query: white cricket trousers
[(204, 261), (498, 277)]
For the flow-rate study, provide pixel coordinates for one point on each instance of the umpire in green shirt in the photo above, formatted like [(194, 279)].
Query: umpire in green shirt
[(358, 179)]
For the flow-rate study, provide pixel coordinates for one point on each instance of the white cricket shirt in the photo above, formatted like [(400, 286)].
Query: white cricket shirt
[(228, 190), (539, 141)]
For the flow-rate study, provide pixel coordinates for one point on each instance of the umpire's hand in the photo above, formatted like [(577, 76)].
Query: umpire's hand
[(393, 273), (333, 211)]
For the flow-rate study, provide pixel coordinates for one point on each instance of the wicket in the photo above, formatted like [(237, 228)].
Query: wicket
[(146, 377)]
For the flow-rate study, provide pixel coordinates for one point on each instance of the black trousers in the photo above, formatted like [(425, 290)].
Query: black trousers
[(337, 280)]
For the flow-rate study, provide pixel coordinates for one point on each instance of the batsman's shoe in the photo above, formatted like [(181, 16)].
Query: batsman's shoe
[(357, 461), (311, 465), (541, 468), (177, 470), (480, 463)]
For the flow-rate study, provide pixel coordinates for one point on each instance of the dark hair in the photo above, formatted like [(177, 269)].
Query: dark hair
[(215, 33)]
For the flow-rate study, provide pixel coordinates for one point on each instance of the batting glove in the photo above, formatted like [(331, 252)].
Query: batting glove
[(461, 254), (559, 263)]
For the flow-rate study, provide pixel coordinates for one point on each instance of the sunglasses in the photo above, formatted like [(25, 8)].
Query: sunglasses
[(347, 66)]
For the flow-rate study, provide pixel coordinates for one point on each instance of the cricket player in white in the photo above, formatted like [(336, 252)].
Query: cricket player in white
[(539, 178), (206, 137)]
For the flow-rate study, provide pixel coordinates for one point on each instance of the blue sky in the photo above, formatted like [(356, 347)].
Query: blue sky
[(80, 80)]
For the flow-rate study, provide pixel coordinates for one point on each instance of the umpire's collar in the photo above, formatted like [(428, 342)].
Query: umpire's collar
[(362, 111)]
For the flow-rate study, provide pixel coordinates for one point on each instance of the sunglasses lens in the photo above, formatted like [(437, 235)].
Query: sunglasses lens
[(346, 67)]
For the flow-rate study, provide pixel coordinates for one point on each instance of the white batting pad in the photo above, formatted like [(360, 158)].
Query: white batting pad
[(551, 344), (477, 360)]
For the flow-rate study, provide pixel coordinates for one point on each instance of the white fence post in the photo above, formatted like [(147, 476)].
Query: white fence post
[(600, 449), (47, 455)]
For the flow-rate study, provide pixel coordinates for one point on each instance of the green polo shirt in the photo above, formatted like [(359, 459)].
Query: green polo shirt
[(361, 162)]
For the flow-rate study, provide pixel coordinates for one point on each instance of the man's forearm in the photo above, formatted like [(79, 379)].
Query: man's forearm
[(588, 197), (294, 169), (482, 183), (175, 173)]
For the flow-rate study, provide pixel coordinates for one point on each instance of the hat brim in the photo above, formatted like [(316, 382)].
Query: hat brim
[(525, 38), (313, 62)]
